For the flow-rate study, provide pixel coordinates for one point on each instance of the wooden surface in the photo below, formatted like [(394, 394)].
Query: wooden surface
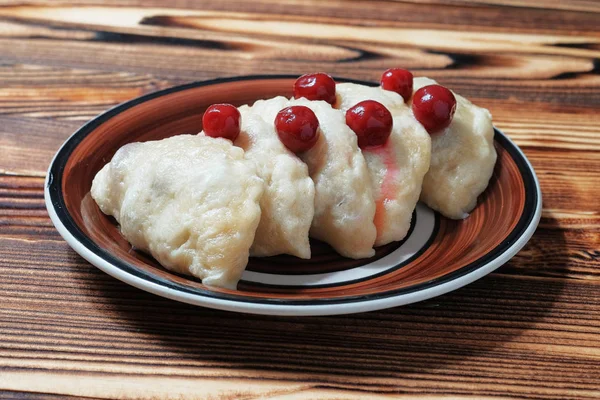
[(529, 330)]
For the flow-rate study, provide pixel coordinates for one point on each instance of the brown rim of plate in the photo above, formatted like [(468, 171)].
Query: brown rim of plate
[(505, 210)]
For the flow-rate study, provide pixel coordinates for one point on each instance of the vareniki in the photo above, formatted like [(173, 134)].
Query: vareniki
[(342, 163), (190, 201), (462, 158), (288, 200), (398, 166)]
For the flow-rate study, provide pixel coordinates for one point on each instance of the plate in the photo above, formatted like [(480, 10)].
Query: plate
[(437, 256)]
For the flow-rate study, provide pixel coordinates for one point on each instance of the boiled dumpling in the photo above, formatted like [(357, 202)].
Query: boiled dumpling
[(396, 168), (344, 201), (288, 201), (344, 205), (462, 159), (190, 201)]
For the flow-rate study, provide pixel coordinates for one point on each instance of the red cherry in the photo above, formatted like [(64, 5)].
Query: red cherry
[(434, 107), (221, 120), (398, 80), (317, 86), (297, 128), (371, 122)]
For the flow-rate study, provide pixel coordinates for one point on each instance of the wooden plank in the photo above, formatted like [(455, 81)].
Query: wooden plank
[(546, 16), (7, 394), (544, 5)]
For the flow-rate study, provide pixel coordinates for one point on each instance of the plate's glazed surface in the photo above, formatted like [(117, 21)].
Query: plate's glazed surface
[(438, 255)]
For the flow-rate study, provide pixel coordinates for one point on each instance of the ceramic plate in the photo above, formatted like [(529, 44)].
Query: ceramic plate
[(438, 255)]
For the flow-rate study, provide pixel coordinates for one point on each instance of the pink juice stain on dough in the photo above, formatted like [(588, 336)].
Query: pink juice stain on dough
[(388, 186)]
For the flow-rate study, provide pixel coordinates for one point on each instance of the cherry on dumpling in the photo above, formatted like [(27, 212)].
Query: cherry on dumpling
[(297, 127), (398, 80), (371, 122), (319, 86), (434, 107), (221, 121)]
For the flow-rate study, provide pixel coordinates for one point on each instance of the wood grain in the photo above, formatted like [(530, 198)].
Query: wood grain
[(530, 330)]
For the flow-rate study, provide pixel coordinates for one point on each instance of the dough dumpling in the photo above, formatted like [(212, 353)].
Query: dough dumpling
[(190, 201), (344, 205), (462, 159), (396, 168), (344, 201), (288, 201)]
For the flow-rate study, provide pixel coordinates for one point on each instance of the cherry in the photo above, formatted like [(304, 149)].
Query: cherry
[(398, 80), (434, 107), (319, 86), (297, 128), (371, 122), (221, 120)]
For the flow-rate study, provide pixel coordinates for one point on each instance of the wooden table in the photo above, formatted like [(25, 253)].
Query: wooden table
[(529, 330)]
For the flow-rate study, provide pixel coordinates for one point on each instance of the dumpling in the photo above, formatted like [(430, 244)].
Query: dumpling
[(190, 201), (396, 168), (344, 201), (462, 159), (344, 205), (288, 201)]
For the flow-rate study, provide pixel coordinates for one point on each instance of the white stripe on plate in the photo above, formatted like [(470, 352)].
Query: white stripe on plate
[(415, 242)]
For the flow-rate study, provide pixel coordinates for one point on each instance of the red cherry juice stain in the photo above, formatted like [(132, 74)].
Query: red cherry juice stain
[(388, 187)]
